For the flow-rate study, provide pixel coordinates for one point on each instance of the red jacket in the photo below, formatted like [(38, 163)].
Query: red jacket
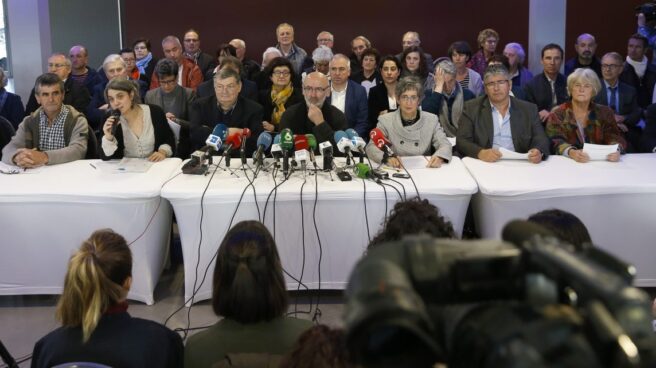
[(191, 76)]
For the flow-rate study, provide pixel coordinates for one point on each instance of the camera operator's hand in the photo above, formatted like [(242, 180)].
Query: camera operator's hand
[(641, 20)]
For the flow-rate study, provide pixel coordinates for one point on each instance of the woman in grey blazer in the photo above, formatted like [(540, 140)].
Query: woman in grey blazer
[(411, 132)]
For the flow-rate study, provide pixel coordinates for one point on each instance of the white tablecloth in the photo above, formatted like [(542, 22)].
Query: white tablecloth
[(616, 201), (45, 216), (340, 218)]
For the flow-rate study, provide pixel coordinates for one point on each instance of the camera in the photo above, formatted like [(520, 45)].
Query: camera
[(649, 10)]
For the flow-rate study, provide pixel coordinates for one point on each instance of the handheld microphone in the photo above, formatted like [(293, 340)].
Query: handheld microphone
[(312, 143), (301, 145), (287, 144), (215, 140), (344, 145), (327, 153), (245, 133), (380, 141), (116, 114), (232, 142), (263, 143), (358, 143)]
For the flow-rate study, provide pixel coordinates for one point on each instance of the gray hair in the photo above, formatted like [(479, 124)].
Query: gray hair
[(124, 85), (111, 59), (173, 39), (226, 73), (409, 84), (238, 41), (322, 53), (67, 61), (166, 68), (3, 78), (415, 34), (48, 79), (496, 69), (585, 75), (521, 54), (271, 50), (332, 38), (343, 57), (448, 67), (615, 56)]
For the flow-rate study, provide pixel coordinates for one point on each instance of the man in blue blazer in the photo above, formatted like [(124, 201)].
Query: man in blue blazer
[(348, 96), (621, 98)]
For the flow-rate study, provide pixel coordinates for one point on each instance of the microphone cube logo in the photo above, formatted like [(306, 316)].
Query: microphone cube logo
[(214, 139)]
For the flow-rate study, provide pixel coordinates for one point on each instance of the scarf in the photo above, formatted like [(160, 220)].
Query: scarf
[(450, 123), (143, 63), (278, 99), (639, 66)]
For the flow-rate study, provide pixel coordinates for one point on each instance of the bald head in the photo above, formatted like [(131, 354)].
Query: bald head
[(585, 48), (79, 59), (240, 46), (315, 89)]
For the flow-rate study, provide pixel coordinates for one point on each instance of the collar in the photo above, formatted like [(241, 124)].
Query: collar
[(192, 55), (117, 308), (494, 108), (608, 86), (230, 110), (344, 91)]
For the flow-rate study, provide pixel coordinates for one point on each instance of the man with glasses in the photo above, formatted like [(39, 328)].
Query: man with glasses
[(189, 74), (585, 47), (55, 133), (314, 116), (548, 89), (226, 107), (496, 121), (358, 45), (74, 95), (193, 52), (349, 97), (621, 98)]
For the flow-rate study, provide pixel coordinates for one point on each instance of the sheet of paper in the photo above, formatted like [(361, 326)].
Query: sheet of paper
[(414, 162), (599, 152), (452, 140), (11, 169), (126, 165), (175, 127), (510, 155)]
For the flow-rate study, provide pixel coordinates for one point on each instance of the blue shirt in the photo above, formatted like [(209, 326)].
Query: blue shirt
[(617, 95), (502, 133)]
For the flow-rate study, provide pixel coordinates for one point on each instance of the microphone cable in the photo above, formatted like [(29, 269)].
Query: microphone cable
[(298, 289), (411, 179), (405, 196), (317, 310), (366, 216), (395, 188)]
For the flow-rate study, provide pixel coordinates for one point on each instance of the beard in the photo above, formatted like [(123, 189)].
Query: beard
[(318, 104)]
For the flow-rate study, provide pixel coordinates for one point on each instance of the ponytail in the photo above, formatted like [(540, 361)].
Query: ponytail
[(96, 273)]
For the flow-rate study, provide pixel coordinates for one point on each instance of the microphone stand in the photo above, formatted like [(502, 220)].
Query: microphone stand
[(6, 357)]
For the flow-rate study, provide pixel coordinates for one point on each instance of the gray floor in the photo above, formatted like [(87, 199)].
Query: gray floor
[(25, 319)]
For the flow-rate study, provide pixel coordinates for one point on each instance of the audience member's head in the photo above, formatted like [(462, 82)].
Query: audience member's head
[(225, 49), (60, 65), (498, 59), (564, 225), (130, 58), (583, 77), (49, 93), (167, 74), (79, 57), (285, 34), (321, 57), (370, 58), (191, 41), (551, 59), (358, 45), (269, 54), (99, 276), (248, 285), (637, 47), (488, 40), (390, 69), (612, 65), (141, 47), (414, 61), (319, 347), (409, 39), (315, 89), (340, 70), (172, 48), (414, 216), (281, 72), (515, 54), (240, 47), (115, 67), (325, 38), (585, 47)]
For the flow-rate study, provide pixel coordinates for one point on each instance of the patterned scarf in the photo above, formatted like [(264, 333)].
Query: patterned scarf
[(278, 98), (143, 63)]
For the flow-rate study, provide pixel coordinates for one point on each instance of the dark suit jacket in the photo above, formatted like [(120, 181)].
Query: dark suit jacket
[(248, 89), (13, 109), (475, 129), (628, 104), (206, 63), (356, 108), (538, 91), (377, 102), (74, 95), (267, 105), (205, 115), (572, 64), (296, 119), (644, 86)]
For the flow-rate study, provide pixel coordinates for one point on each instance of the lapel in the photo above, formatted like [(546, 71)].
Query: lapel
[(349, 96), (516, 123), (485, 116)]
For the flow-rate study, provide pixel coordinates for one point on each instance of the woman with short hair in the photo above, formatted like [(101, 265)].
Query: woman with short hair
[(145, 60), (249, 293), (413, 61), (516, 56), (572, 124), (96, 327), (282, 93), (487, 39), (382, 98), (460, 53)]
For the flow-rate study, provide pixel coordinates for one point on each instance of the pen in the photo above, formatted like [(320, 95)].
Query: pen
[(94, 167)]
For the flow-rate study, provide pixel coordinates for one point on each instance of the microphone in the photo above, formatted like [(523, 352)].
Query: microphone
[(276, 150), (362, 171), (263, 143), (286, 144), (301, 145), (116, 114), (245, 133), (232, 142), (344, 145), (312, 142), (327, 154), (358, 143), (518, 232), (215, 140), (380, 141)]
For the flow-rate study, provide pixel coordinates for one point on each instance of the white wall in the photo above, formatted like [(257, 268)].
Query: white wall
[(546, 24)]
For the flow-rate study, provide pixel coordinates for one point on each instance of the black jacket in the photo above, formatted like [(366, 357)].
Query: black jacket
[(295, 118)]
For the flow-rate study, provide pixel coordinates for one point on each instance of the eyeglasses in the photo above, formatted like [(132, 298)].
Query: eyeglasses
[(314, 89), (499, 83), (168, 82), (228, 88), (284, 73), (324, 40), (56, 66), (610, 66), (406, 98)]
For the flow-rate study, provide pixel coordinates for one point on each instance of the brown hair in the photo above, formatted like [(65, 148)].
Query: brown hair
[(319, 347), (248, 285), (94, 280)]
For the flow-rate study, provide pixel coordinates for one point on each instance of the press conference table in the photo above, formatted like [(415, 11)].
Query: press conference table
[(340, 218), (45, 216), (616, 201)]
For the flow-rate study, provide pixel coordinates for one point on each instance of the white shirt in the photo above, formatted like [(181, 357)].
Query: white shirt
[(338, 99), (136, 147)]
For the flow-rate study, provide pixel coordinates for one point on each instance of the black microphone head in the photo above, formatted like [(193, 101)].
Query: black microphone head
[(518, 232), (116, 113)]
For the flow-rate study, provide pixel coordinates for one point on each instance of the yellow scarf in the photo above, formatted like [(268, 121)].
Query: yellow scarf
[(278, 99)]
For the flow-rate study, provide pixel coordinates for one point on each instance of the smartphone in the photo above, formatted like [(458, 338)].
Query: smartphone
[(401, 175), (344, 176)]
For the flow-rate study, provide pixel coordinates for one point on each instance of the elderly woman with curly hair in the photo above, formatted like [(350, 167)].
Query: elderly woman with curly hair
[(488, 39), (572, 124)]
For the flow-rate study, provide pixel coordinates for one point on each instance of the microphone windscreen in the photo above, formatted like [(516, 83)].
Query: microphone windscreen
[(264, 140), (339, 135), (518, 232), (221, 130), (312, 141), (286, 139), (234, 140), (276, 139), (378, 138), (351, 133), (116, 113), (246, 133), (300, 143)]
